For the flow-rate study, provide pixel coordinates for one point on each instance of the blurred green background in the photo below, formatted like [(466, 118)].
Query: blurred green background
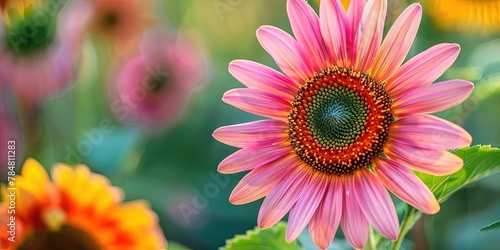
[(176, 169)]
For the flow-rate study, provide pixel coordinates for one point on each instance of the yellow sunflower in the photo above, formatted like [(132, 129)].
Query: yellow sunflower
[(466, 16), (78, 210)]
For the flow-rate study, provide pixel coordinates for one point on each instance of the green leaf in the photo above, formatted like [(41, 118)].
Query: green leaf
[(479, 162), (493, 225), (176, 246), (263, 239)]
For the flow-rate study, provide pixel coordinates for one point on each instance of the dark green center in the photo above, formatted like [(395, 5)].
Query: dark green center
[(68, 237), (156, 82), (30, 33), (339, 120), (336, 116), (110, 19), (156, 79)]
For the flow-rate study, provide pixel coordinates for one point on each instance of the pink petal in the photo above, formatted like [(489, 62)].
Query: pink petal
[(353, 221), (376, 203), (397, 43), (306, 28), (258, 76), (258, 102), (258, 182), (285, 51), (431, 161), (422, 69), (369, 33), (262, 133), (429, 132), (433, 98), (303, 210), (326, 219), (250, 158), (355, 13), (354, 16), (283, 196), (335, 31), (405, 185)]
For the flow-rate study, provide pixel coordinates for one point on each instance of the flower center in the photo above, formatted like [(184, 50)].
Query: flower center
[(68, 237), (156, 82), (156, 79), (110, 19), (339, 120), (30, 32)]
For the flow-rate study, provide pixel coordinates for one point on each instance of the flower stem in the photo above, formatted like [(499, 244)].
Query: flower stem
[(413, 215), (372, 244)]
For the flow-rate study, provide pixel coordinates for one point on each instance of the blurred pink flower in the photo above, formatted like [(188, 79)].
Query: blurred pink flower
[(39, 73), (152, 89)]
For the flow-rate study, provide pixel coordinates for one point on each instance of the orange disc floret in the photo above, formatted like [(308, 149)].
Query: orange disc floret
[(339, 120)]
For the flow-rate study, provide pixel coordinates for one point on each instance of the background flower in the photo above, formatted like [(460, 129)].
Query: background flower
[(467, 17), (153, 88), (35, 72), (77, 210), (121, 21)]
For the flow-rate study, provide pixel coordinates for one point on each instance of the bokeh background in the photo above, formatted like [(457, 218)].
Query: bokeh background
[(175, 166)]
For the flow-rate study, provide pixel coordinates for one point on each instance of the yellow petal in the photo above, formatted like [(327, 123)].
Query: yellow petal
[(17, 5), (62, 175), (138, 214), (34, 178)]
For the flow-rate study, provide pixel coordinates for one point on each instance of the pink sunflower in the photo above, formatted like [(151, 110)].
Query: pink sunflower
[(348, 120)]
